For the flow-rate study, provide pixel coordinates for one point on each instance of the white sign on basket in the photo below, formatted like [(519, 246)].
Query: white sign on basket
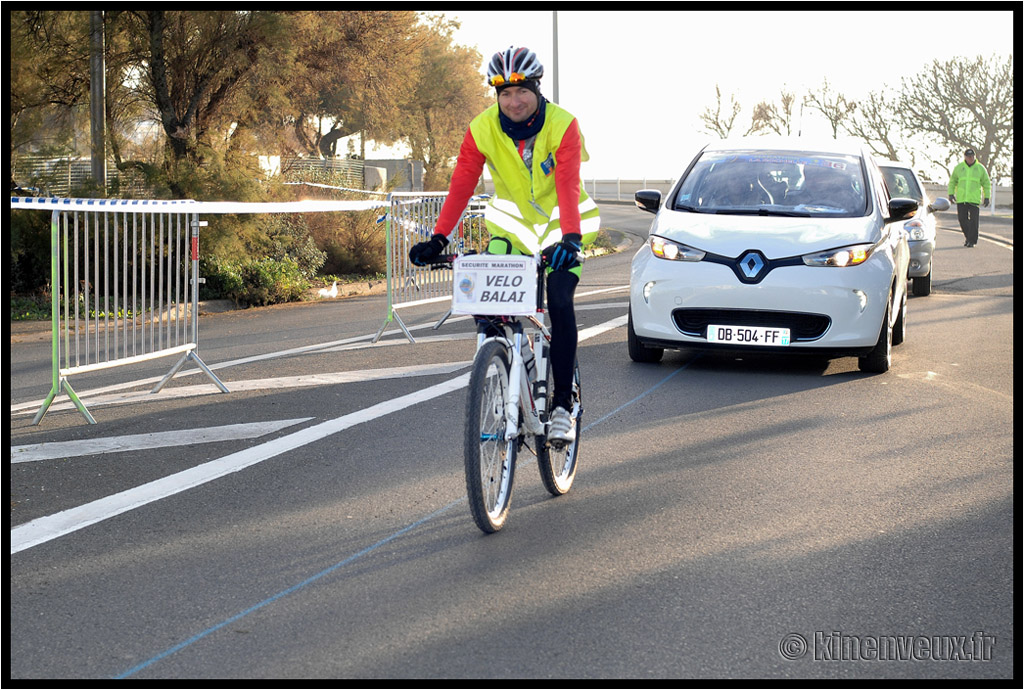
[(495, 285)]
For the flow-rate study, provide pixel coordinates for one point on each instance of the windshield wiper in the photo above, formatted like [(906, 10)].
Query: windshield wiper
[(691, 209), (763, 212)]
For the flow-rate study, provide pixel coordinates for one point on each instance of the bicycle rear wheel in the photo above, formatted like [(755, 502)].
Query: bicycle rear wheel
[(558, 465), (490, 459)]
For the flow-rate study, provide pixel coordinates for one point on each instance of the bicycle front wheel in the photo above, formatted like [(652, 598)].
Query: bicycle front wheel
[(558, 464), (490, 459)]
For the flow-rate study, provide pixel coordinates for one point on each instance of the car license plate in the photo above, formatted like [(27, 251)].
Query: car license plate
[(748, 335)]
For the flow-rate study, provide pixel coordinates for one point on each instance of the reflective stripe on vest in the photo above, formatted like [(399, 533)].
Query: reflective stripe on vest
[(502, 220)]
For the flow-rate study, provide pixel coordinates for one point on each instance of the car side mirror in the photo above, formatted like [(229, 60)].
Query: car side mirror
[(940, 204), (901, 209), (648, 200)]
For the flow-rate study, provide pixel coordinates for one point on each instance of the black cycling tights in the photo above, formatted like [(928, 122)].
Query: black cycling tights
[(561, 291)]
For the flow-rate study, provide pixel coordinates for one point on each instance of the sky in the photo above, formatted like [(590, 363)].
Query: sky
[(638, 81)]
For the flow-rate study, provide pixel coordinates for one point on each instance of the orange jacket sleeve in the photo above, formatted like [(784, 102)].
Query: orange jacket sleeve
[(468, 168), (567, 179)]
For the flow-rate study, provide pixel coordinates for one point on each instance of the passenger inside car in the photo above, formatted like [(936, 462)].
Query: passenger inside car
[(736, 186), (830, 188)]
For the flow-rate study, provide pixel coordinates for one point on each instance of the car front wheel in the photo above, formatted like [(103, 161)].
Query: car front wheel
[(879, 359), (899, 331), (638, 352)]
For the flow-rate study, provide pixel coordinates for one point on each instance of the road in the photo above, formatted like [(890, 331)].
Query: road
[(732, 517)]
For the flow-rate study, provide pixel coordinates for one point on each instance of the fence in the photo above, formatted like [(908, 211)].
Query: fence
[(58, 176), (142, 257), (623, 190), (125, 283), (411, 218), (350, 172)]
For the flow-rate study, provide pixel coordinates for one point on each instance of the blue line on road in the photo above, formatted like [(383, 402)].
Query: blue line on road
[(286, 592), (369, 549)]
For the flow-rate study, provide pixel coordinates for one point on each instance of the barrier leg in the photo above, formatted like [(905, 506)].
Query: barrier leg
[(213, 377), (190, 355), (78, 402), (398, 319), (64, 385), (46, 405), (443, 319)]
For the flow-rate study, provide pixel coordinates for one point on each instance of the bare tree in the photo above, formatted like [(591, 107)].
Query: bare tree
[(965, 102), (834, 106), (717, 122), (775, 117), (876, 123)]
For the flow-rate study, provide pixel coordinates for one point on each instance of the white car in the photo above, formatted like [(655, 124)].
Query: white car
[(778, 245), (902, 181)]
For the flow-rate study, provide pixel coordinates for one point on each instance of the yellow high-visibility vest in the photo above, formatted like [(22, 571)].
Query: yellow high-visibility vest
[(970, 183), (524, 208)]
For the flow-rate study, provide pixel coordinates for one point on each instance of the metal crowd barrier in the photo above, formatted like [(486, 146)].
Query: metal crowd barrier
[(410, 218), (125, 281), (124, 287)]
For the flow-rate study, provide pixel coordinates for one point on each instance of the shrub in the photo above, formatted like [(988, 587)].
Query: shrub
[(256, 282), (271, 281)]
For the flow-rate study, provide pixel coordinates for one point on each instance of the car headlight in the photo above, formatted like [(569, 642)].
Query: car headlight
[(673, 251), (844, 256), (915, 229)]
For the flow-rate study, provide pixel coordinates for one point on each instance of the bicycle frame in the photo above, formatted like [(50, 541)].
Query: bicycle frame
[(521, 395), (508, 386)]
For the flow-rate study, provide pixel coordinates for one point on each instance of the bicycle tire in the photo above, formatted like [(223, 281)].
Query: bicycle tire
[(490, 459), (558, 466)]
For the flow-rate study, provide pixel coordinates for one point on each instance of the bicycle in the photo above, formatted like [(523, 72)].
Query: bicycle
[(506, 408)]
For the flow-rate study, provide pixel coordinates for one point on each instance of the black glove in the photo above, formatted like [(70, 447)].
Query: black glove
[(562, 256), (985, 202), (422, 253), (952, 199)]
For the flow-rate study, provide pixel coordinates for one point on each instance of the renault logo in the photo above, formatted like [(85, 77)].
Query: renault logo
[(751, 264)]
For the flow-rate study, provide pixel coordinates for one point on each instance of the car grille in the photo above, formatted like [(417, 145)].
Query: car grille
[(802, 327)]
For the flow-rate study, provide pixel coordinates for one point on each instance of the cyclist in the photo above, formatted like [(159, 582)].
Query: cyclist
[(534, 149)]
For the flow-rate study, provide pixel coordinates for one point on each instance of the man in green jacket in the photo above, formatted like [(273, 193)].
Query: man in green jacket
[(969, 186)]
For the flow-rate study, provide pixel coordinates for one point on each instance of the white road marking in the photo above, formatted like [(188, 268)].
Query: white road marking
[(597, 330), (310, 380), (617, 288), (32, 406), (44, 529), (404, 341), (603, 305), (160, 439), (455, 336), (50, 527)]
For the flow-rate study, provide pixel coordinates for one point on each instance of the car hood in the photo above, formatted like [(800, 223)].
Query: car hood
[(775, 236)]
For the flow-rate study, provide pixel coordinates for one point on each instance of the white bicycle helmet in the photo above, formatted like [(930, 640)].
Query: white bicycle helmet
[(512, 66)]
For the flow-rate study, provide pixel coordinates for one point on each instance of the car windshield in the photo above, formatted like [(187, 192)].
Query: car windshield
[(902, 183), (774, 183)]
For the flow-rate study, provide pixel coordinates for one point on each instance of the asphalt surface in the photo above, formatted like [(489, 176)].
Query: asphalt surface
[(733, 517)]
